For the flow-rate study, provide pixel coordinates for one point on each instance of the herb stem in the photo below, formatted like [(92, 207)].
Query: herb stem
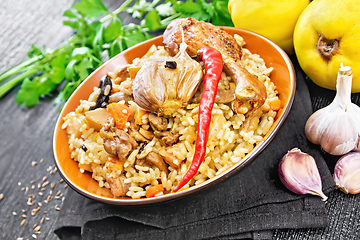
[(165, 21), (6, 87), (19, 68), (116, 11)]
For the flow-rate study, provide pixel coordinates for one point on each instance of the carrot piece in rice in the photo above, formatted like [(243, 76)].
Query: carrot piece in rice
[(275, 104), (139, 115), (116, 164), (152, 191), (133, 71), (121, 114)]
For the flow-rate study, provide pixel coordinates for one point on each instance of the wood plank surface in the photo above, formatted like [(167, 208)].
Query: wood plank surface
[(32, 189), (26, 164)]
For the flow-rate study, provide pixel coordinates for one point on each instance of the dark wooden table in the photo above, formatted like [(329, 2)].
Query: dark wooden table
[(32, 190)]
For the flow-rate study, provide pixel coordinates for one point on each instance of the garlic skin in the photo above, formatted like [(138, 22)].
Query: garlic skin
[(299, 173), (336, 127), (347, 173)]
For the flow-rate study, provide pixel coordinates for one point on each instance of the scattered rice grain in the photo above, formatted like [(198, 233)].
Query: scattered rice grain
[(30, 202), (34, 211), (22, 222), (49, 198)]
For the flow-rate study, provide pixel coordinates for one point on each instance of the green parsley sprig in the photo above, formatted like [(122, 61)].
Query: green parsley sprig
[(98, 35)]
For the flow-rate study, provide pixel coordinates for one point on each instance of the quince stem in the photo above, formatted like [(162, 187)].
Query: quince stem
[(327, 47)]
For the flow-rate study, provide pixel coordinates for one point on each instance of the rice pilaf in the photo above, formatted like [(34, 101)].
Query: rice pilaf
[(229, 142)]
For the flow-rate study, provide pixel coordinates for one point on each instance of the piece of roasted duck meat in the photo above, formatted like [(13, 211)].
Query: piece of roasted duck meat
[(250, 92)]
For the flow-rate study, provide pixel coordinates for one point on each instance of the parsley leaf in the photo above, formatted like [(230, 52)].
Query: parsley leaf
[(113, 30), (153, 20), (28, 94), (194, 9), (91, 8)]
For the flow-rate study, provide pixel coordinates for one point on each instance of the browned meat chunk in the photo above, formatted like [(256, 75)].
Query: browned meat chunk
[(222, 95), (157, 160), (117, 186), (148, 134), (158, 123), (252, 121), (167, 137), (119, 96), (120, 145), (122, 74), (134, 132), (169, 158), (198, 34)]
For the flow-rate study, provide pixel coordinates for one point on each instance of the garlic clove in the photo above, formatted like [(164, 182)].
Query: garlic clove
[(336, 127), (339, 136), (299, 173), (347, 173)]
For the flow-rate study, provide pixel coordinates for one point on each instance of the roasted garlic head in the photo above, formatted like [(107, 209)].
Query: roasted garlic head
[(165, 85)]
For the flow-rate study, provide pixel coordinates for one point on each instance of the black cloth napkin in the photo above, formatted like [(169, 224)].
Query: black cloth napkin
[(249, 204)]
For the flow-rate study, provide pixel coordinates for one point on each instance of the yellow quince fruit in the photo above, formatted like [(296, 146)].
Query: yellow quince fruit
[(274, 19), (327, 34)]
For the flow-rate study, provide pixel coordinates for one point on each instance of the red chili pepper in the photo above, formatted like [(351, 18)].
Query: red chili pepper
[(213, 69)]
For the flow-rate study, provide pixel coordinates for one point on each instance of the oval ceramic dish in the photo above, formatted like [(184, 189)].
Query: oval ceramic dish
[(283, 77)]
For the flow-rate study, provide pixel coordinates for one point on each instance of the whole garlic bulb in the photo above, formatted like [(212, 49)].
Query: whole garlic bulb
[(337, 127), (165, 85)]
